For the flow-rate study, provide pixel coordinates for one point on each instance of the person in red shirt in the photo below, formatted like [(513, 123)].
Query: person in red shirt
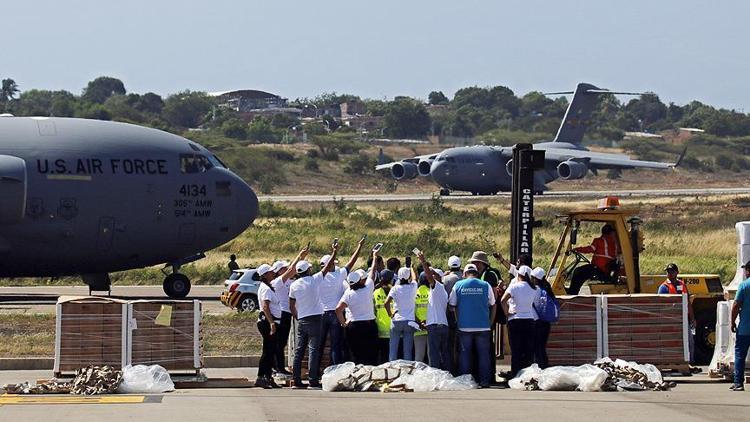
[(605, 250)]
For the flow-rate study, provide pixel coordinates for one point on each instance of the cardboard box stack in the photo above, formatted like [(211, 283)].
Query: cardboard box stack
[(576, 338), (104, 331), (90, 331), (645, 328)]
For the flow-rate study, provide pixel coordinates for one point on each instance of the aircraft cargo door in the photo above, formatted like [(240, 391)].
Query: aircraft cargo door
[(12, 189)]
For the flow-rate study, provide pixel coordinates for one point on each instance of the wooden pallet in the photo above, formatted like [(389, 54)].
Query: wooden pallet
[(682, 368)]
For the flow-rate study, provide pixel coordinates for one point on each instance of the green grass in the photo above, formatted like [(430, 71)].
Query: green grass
[(33, 335), (696, 233)]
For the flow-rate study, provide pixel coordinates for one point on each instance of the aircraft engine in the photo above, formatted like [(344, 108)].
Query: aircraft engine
[(570, 170), (424, 167), (509, 167), (404, 170)]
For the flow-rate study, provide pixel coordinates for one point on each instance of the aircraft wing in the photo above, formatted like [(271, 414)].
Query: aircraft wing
[(603, 160), (414, 160)]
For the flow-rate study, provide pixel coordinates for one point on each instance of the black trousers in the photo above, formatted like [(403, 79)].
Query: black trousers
[(265, 367), (521, 332), (541, 334), (581, 274), (362, 338), (282, 338), (383, 345)]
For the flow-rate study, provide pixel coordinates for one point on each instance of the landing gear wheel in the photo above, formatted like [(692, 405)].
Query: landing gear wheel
[(445, 192), (176, 286)]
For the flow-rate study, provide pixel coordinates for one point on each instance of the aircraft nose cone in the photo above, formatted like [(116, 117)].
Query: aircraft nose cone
[(437, 171), (247, 205)]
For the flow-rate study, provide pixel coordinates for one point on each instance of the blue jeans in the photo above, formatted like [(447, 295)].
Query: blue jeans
[(437, 346), (399, 329), (330, 324), (308, 337), (741, 344), (469, 341)]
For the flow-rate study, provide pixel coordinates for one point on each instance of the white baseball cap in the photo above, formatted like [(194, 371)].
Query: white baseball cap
[(524, 270), (538, 273), (355, 276), (404, 273), (303, 266), (278, 265), (439, 272), (324, 259), (454, 262), (264, 268), (471, 267)]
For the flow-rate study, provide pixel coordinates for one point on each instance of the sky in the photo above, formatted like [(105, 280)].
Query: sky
[(683, 50)]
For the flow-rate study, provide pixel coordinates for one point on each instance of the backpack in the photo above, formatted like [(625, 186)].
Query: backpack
[(547, 307)]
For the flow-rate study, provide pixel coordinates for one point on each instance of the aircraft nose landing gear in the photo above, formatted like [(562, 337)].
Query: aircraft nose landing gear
[(176, 285)]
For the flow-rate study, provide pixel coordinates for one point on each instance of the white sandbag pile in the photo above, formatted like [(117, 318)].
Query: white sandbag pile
[(398, 375), (603, 375)]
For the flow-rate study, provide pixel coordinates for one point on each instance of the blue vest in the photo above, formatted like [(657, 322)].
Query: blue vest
[(472, 304)]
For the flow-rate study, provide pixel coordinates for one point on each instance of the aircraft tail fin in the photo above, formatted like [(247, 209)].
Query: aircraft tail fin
[(578, 115)]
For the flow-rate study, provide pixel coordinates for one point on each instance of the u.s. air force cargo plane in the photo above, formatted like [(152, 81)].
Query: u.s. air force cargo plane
[(88, 197), (486, 170)]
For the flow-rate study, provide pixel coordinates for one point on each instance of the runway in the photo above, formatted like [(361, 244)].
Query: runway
[(467, 196)]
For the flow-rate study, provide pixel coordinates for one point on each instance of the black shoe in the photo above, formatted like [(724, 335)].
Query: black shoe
[(273, 383), (263, 383), (737, 387), (299, 386), (315, 386)]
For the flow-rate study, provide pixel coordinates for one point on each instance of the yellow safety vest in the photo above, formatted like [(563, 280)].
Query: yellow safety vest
[(420, 310), (382, 320)]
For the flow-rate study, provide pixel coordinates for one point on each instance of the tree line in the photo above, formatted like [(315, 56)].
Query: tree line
[(472, 112)]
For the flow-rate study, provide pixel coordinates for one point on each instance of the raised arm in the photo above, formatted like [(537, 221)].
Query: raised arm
[(427, 269), (373, 269), (355, 256), (331, 262), (292, 267), (501, 259)]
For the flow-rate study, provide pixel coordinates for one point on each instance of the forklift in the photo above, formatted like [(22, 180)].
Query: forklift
[(624, 276)]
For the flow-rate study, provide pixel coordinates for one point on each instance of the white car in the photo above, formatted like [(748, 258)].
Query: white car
[(241, 291)]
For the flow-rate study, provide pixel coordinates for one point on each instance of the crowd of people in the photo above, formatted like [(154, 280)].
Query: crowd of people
[(397, 310)]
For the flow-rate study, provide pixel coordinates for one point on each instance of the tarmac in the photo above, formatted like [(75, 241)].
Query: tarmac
[(694, 399)]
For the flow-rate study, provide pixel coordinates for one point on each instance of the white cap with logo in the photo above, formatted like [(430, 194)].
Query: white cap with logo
[(324, 259), (538, 273), (454, 262), (302, 266), (524, 270), (404, 273), (278, 265), (264, 268)]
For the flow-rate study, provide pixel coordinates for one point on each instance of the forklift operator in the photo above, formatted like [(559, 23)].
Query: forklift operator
[(605, 250)]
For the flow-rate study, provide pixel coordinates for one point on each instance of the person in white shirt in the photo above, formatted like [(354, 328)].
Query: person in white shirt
[(331, 289), (284, 272), (304, 302), (361, 331), (437, 319), (268, 321), (518, 303), (403, 295)]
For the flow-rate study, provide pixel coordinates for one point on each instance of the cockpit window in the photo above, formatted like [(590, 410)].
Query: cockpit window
[(217, 162), (194, 163)]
